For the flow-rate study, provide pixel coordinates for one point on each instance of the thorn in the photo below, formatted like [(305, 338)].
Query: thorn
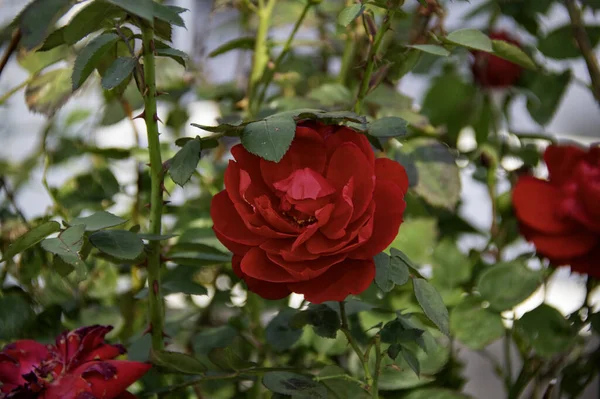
[(164, 259), (160, 93), (156, 118), (147, 205), (163, 188), (145, 92), (166, 165), (166, 202), (142, 115), (155, 287), (148, 164), (165, 335), (148, 329)]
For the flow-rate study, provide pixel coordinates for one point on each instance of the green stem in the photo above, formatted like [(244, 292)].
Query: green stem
[(261, 53), (528, 371), (364, 86), (155, 300), (508, 357), (378, 359), (364, 361), (270, 72), (14, 90), (339, 377), (348, 53)]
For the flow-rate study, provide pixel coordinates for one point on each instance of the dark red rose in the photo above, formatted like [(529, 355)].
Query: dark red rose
[(495, 72), (561, 216), (78, 366), (311, 223)]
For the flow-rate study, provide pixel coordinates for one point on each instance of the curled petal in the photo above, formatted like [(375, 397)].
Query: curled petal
[(387, 169)]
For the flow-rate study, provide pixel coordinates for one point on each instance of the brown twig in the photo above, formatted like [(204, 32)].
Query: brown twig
[(11, 198), (12, 46), (583, 41)]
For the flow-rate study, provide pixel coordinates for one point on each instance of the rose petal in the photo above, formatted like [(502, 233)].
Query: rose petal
[(585, 264), (127, 372), (347, 135), (389, 170), (342, 212), (257, 265), (348, 161), (536, 203), (265, 289), (561, 161), (228, 222), (307, 151), (389, 207), (305, 270), (348, 277), (20, 358), (561, 246)]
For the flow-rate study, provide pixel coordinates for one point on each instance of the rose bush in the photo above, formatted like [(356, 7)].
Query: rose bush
[(79, 366), (311, 223), (492, 71), (561, 215)]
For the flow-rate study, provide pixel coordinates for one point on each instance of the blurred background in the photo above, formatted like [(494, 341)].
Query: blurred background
[(210, 24)]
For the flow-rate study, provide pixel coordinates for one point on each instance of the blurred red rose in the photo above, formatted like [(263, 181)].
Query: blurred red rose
[(561, 216), (495, 72), (78, 366), (311, 223)]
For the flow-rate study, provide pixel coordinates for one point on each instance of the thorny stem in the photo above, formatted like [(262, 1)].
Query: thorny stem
[(348, 53), (583, 42), (371, 58), (361, 356), (12, 46), (261, 53), (378, 359), (135, 208), (155, 300), (270, 72)]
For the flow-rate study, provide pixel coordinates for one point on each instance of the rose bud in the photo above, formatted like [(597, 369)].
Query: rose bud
[(495, 72)]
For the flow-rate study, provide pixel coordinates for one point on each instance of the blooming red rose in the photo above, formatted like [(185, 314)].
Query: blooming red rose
[(491, 71), (312, 222), (78, 366), (561, 215)]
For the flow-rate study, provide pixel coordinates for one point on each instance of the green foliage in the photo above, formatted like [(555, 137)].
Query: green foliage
[(389, 271), (38, 17), (98, 221), (298, 385), (49, 91), (177, 362), (118, 72), (505, 285), (280, 335), (67, 245), (470, 38), (432, 304), (559, 43), (89, 57), (349, 14), (269, 138), (121, 244), (30, 238), (242, 43), (475, 326)]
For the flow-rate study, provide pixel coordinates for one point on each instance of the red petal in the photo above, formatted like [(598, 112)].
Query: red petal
[(561, 161), (306, 151), (347, 135), (561, 246), (303, 184), (305, 270), (348, 277), (536, 203), (342, 212), (19, 358), (257, 265), (271, 216), (389, 207), (265, 289), (586, 264), (126, 395), (127, 373), (234, 247), (68, 386), (228, 222), (389, 170), (347, 162)]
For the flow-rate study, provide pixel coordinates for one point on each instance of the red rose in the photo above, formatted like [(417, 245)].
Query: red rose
[(312, 222), (561, 216), (491, 71), (79, 366)]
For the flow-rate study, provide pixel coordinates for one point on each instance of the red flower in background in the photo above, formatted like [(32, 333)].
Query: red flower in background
[(491, 71), (561, 216), (312, 222), (78, 366)]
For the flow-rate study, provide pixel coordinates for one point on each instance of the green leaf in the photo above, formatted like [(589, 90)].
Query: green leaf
[(227, 129), (118, 72), (35, 61), (438, 175), (53, 40), (269, 138), (436, 393), (451, 267), (505, 285), (389, 126), (121, 244), (434, 49), (549, 90), (16, 313), (98, 221), (411, 360), (331, 94), (226, 359), (36, 20), (279, 334), (163, 50), (177, 362), (324, 320), (390, 271), (213, 338), (156, 237), (344, 389), (49, 91), (88, 20), (298, 385), (349, 14), (241, 43), (199, 252), (475, 326), (141, 8), (30, 238), (546, 330), (67, 245), (560, 44), (512, 53), (471, 38), (432, 304), (184, 163), (168, 14), (89, 57)]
